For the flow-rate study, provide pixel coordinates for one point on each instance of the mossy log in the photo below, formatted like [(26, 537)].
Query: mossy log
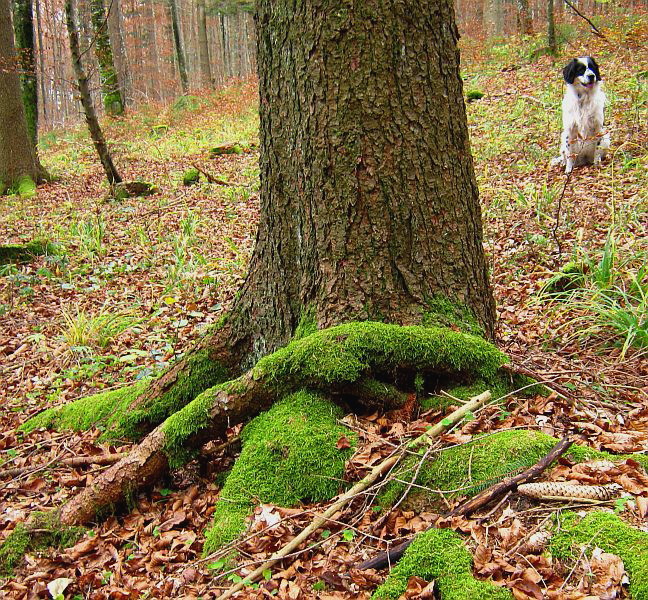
[(334, 360), (17, 253)]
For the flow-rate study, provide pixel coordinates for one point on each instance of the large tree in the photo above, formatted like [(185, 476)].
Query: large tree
[(18, 160), (369, 212)]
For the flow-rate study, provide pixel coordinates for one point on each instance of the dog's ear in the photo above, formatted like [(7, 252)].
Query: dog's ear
[(569, 72), (592, 65)]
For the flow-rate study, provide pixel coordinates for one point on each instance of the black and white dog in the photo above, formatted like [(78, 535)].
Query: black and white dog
[(583, 139)]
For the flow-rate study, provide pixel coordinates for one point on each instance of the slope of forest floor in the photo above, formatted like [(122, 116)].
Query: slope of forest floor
[(133, 283)]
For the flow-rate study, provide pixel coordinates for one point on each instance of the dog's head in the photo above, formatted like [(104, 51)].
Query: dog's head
[(583, 72)]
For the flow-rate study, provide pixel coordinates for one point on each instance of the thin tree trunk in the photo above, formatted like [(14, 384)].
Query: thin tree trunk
[(86, 101), (115, 27), (41, 55), (24, 36), (110, 89), (17, 151), (203, 46), (179, 51), (551, 27), (525, 22)]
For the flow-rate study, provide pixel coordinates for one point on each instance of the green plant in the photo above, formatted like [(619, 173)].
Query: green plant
[(84, 334), (606, 295), (90, 233)]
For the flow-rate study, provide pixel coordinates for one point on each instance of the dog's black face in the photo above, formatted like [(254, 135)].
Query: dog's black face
[(582, 70)]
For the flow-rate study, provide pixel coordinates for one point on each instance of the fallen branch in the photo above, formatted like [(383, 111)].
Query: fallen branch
[(482, 499), (210, 178), (582, 16), (75, 461), (379, 470)]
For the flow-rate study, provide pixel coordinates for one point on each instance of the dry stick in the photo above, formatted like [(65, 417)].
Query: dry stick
[(210, 178), (554, 231), (481, 499), (74, 461), (359, 487)]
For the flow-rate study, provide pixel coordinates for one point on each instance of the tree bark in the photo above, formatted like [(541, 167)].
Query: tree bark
[(110, 88), (369, 206), (17, 150), (86, 101), (179, 51)]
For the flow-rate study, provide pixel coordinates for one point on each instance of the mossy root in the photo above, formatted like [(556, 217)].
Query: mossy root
[(43, 531)]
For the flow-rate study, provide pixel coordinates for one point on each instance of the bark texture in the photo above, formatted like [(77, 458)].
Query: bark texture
[(17, 152), (86, 100), (203, 45), (369, 206)]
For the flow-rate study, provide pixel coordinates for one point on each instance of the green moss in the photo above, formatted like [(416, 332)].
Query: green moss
[(440, 555), (472, 467), (611, 534), (473, 95), (112, 409), (443, 312), (307, 324), (191, 177), (24, 186), (570, 278), (345, 353), (43, 531), (288, 456), (25, 253)]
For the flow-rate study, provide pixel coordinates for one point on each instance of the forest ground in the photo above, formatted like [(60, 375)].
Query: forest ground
[(134, 283)]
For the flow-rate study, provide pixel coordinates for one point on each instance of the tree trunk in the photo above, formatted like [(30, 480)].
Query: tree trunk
[(17, 151), (203, 46), (369, 211), (24, 36), (369, 206), (179, 51), (551, 27), (86, 101), (110, 89), (115, 27), (525, 22)]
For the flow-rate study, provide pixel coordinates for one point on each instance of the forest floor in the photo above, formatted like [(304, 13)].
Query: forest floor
[(134, 283)]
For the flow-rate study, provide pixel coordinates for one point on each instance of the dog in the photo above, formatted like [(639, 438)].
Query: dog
[(584, 140)]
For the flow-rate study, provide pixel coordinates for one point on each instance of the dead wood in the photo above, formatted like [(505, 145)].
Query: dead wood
[(74, 461), (482, 499)]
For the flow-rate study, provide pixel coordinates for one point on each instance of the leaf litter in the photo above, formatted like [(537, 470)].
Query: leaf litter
[(175, 261)]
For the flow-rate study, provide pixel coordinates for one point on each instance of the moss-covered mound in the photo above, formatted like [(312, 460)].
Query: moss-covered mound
[(16, 253), (289, 455), (113, 409), (440, 554), (345, 353), (611, 534), (466, 470), (44, 531)]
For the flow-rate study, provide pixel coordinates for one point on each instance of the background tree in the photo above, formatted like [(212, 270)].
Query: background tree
[(18, 160), (551, 27), (86, 100), (203, 45), (369, 211), (179, 50), (524, 19), (23, 20), (110, 88)]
